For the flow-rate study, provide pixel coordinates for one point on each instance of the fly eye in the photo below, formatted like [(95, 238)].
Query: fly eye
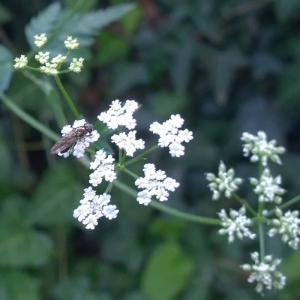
[(88, 127)]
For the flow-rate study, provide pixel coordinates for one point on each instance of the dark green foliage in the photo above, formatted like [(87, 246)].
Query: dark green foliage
[(227, 66), (6, 68)]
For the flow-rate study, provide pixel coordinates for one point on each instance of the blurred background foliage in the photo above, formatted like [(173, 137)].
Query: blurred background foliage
[(227, 66)]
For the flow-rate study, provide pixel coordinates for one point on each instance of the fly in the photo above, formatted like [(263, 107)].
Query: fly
[(69, 140)]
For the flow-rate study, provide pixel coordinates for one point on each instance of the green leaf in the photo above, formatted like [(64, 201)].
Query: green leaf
[(74, 288), (85, 6), (52, 96), (44, 22), (6, 68), (288, 88), (24, 247), (65, 23), (131, 21), (166, 273), (127, 75), (21, 245), (290, 267), (5, 14), (221, 67), (6, 171), (181, 69), (17, 285), (284, 9), (166, 228), (165, 103), (56, 197), (90, 23), (114, 49)]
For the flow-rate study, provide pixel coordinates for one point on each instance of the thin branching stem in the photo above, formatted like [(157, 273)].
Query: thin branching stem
[(28, 118), (140, 156), (169, 210), (244, 203), (67, 97)]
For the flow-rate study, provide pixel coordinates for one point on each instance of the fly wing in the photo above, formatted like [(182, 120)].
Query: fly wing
[(64, 144)]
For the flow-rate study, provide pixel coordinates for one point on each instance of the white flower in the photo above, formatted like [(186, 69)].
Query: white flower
[(264, 273), (76, 65), (143, 197), (92, 207), (71, 43), (58, 59), (155, 183), (103, 167), (49, 68), (120, 116), (40, 40), (225, 182), (259, 149), (170, 135), (268, 188), (236, 224), (83, 142), (128, 142), (288, 226), (42, 57), (21, 62)]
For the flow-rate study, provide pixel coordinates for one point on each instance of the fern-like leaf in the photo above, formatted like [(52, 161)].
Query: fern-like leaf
[(44, 22), (59, 24)]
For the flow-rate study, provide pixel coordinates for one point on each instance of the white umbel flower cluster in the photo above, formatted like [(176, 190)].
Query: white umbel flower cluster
[(79, 148), (52, 66), (155, 183), (224, 183), (128, 142), (40, 40), (265, 273), (171, 136), (236, 224), (104, 167), (268, 188), (20, 62), (287, 225), (259, 149), (92, 207), (71, 43), (119, 115), (76, 65)]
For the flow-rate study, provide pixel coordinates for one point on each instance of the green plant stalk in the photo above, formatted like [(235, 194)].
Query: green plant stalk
[(67, 97), (140, 156), (244, 203), (261, 240), (27, 118), (289, 203), (169, 210), (284, 205), (133, 175)]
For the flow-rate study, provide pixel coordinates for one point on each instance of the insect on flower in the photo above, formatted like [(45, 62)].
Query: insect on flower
[(70, 139)]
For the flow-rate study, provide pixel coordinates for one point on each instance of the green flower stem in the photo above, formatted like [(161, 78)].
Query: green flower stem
[(27, 118), (140, 156), (67, 97), (130, 173), (261, 240), (285, 205), (245, 203), (169, 210)]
